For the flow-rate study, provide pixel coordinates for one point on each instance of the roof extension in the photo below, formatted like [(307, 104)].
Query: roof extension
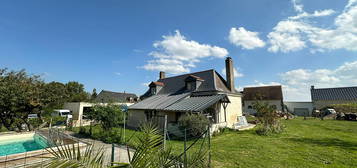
[(342, 93), (181, 102)]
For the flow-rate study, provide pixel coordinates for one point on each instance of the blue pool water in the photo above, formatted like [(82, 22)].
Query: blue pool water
[(20, 146)]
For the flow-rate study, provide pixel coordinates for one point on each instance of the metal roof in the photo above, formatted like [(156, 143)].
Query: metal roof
[(158, 102), (196, 104), (342, 93)]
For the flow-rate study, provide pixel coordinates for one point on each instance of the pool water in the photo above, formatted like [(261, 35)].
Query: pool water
[(21, 145)]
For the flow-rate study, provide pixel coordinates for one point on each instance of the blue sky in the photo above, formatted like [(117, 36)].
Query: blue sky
[(120, 45)]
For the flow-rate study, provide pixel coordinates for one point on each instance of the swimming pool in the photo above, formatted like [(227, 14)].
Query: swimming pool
[(12, 144)]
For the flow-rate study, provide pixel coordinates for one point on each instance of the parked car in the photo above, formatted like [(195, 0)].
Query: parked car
[(62, 113), (31, 116)]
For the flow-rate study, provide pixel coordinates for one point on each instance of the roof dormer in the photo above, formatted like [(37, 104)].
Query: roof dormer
[(155, 87), (193, 82)]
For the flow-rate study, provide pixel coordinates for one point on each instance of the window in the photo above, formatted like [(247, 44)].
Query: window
[(153, 90), (189, 86), (250, 107)]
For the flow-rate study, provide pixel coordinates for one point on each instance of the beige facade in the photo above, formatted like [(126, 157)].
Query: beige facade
[(228, 119), (319, 104), (248, 105)]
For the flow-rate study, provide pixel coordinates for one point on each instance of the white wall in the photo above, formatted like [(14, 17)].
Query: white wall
[(248, 103), (292, 105)]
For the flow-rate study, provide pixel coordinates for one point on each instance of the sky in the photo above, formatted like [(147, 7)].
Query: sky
[(121, 45)]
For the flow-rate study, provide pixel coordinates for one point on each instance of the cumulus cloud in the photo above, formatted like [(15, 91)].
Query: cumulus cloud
[(237, 74), (297, 32), (296, 83), (244, 38), (175, 54)]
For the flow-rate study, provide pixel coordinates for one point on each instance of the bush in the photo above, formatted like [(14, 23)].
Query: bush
[(108, 136), (196, 124), (269, 119)]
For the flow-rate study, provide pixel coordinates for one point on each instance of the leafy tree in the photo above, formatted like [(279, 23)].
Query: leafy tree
[(20, 95), (108, 116), (75, 92), (94, 95)]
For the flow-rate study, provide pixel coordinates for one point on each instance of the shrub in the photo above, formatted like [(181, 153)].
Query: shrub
[(269, 119), (196, 124)]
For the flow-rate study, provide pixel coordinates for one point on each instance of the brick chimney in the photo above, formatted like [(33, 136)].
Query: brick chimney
[(162, 74), (230, 74)]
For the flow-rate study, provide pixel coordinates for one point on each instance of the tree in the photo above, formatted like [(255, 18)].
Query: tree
[(20, 95), (94, 95), (75, 92), (108, 116)]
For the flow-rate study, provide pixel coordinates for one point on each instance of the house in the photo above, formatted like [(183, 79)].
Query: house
[(273, 95), (299, 108), (79, 109), (323, 97), (205, 92), (115, 97)]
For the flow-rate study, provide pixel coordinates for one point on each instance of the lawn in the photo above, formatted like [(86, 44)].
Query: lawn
[(305, 143)]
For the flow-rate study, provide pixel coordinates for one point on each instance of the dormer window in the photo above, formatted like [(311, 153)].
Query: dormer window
[(193, 82), (155, 87)]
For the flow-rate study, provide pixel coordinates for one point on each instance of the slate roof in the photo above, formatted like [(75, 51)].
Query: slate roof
[(264, 92), (211, 81), (342, 93), (197, 104), (110, 97)]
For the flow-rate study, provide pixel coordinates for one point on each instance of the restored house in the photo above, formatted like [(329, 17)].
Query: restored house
[(273, 95), (205, 92), (323, 97)]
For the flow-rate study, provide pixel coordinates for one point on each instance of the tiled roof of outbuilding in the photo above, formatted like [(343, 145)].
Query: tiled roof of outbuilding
[(342, 93), (263, 92), (113, 97)]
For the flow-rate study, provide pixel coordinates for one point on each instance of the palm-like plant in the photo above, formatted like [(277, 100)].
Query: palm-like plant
[(148, 154), (72, 156)]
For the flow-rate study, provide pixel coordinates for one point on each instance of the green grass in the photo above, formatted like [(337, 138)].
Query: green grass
[(305, 143)]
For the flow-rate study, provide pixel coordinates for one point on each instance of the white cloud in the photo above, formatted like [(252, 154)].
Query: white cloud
[(146, 84), (244, 38), (175, 54), (237, 74), (117, 73), (297, 32), (296, 83)]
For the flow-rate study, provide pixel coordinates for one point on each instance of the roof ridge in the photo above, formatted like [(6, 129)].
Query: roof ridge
[(262, 86), (188, 74), (336, 88)]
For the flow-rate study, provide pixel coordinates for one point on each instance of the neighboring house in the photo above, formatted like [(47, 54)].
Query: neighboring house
[(205, 92), (299, 108), (79, 109), (326, 96), (273, 95), (115, 97)]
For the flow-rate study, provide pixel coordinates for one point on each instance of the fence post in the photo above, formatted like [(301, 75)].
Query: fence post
[(5, 160), (165, 131), (209, 145), (42, 158), (112, 158), (185, 154), (25, 159)]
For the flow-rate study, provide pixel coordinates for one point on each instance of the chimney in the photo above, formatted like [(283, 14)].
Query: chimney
[(230, 74), (312, 87), (162, 74)]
